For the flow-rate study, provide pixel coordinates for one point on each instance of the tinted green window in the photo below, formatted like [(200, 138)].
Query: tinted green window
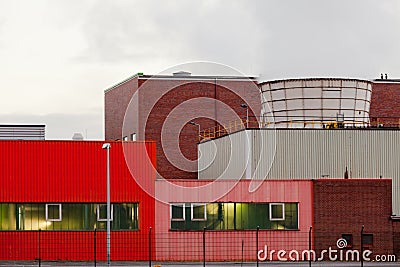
[(31, 217), (238, 216), (74, 216), (277, 211), (177, 211), (199, 212), (125, 217), (291, 216), (53, 212), (8, 216)]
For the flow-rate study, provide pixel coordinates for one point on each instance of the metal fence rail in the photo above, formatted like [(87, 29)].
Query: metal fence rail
[(254, 122), (196, 246)]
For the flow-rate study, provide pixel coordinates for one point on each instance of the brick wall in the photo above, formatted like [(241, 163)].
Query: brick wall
[(116, 102), (385, 103), (396, 238), (343, 206), (165, 106)]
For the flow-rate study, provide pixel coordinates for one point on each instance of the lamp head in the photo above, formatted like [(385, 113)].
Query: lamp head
[(243, 105), (106, 146)]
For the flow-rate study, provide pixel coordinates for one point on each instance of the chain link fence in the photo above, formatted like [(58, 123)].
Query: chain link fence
[(198, 246)]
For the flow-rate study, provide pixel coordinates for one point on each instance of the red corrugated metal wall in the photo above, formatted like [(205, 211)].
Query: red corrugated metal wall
[(75, 172), (226, 245)]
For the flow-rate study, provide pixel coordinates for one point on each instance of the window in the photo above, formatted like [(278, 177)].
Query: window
[(126, 216), (133, 137), (31, 217), (177, 212), (233, 216), (53, 213), (367, 240), (198, 212), (125, 138), (102, 212), (8, 216), (276, 212), (67, 216), (349, 240)]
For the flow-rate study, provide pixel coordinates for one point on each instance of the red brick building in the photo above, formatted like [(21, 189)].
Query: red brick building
[(159, 108), (385, 102), (343, 206)]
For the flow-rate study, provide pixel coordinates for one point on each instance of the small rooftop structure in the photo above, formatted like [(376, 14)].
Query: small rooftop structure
[(22, 132)]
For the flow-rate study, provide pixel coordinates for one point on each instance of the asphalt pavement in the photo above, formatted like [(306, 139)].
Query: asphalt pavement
[(198, 264)]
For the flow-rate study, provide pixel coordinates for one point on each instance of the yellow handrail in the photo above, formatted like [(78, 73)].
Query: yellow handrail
[(233, 126)]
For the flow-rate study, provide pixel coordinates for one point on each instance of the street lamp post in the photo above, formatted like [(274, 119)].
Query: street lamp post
[(247, 113), (196, 124), (108, 146)]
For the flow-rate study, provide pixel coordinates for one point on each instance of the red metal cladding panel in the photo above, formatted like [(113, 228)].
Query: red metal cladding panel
[(75, 172), (227, 245), (73, 245)]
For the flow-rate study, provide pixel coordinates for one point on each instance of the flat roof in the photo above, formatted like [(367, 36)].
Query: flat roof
[(304, 129), (314, 79), (140, 75), (21, 125), (188, 76), (387, 81)]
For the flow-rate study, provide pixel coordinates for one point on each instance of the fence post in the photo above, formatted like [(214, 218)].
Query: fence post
[(204, 246), (242, 252), (95, 247), (309, 246), (258, 228), (40, 260), (150, 247), (362, 247)]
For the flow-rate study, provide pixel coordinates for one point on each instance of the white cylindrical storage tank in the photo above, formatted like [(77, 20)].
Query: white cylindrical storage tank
[(315, 103)]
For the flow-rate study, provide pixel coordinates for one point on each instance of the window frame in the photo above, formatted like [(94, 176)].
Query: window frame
[(59, 219), (271, 218), (105, 219), (365, 244), (198, 205), (183, 214), (349, 240)]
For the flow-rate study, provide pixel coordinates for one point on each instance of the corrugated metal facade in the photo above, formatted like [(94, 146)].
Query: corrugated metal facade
[(75, 172), (226, 245), (306, 154)]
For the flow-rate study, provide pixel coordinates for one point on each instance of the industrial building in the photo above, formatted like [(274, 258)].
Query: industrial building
[(385, 107), (52, 207), (143, 105), (291, 164), (312, 128)]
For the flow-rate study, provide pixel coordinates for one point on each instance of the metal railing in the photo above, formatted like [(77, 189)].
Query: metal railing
[(194, 246), (259, 122)]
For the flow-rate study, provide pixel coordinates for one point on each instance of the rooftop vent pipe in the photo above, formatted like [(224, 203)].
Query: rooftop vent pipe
[(182, 73), (77, 137)]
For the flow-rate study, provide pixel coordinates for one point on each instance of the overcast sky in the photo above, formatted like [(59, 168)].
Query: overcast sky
[(58, 56)]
